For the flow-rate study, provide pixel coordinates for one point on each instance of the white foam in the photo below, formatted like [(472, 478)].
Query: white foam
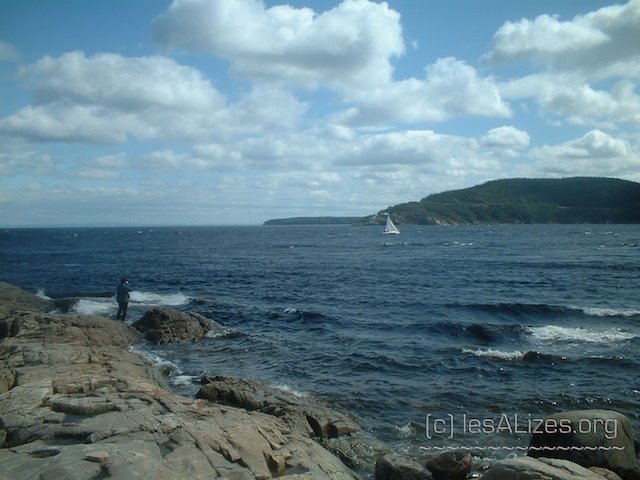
[(577, 334), (288, 389), (165, 365), (149, 298), (221, 334), (405, 430), (491, 353), (183, 380), (93, 306), (609, 312), (40, 293)]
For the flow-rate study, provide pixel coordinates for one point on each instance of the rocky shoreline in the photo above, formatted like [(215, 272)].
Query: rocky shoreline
[(77, 403)]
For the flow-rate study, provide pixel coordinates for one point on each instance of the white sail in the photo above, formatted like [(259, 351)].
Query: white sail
[(390, 228)]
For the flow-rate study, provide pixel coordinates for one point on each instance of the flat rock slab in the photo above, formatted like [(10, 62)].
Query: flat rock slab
[(81, 405)]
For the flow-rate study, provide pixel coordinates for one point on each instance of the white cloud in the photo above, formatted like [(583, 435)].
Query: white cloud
[(8, 53), (26, 162), (542, 38), (450, 88), (349, 44), (348, 49), (98, 173), (596, 153), (569, 97), (108, 98), (117, 160), (505, 137), (122, 83), (590, 64), (599, 45)]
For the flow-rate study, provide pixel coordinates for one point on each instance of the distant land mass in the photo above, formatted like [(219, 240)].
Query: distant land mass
[(517, 200), (314, 221)]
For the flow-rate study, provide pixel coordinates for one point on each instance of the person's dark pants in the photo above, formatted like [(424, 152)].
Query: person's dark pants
[(122, 310)]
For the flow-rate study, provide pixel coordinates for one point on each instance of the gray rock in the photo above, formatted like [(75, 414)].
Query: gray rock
[(450, 466), (396, 467), (591, 438), (527, 468), (83, 406), (302, 414), (166, 325)]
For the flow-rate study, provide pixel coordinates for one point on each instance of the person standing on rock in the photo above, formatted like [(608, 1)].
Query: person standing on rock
[(122, 297)]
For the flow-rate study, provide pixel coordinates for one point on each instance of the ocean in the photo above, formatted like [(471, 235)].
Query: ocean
[(441, 337)]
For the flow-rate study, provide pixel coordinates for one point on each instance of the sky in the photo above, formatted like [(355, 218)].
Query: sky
[(233, 112)]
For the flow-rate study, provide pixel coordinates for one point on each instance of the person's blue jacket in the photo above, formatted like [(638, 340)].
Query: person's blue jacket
[(122, 295)]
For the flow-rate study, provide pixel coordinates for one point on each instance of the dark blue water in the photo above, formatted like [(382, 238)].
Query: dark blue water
[(433, 327)]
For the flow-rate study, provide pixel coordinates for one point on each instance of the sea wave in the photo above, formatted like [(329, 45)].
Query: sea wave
[(546, 310), (557, 333), (170, 368), (103, 305), (91, 306), (40, 293), (528, 355), (150, 298), (608, 312), (485, 332)]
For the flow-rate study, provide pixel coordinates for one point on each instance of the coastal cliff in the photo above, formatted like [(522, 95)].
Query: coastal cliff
[(77, 403)]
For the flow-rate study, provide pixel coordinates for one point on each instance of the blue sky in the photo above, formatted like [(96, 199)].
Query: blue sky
[(220, 112)]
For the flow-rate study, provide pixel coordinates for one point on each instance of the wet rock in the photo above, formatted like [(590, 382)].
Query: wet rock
[(166, 325), (527, 468), (450, 466), (591, 438), (396, 467), (302, 414)]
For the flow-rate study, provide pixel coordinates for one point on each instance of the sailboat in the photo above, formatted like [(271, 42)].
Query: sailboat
[(390, 228)]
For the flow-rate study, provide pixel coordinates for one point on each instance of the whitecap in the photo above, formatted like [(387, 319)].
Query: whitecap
[(608, 312), (491, 353), (578, 334), (149, 298)]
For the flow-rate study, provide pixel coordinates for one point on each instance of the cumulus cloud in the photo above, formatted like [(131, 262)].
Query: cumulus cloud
[(543, 38), (108, 98), (599, 44), (590, 64), (569, 97), (124, 83), (450, 88), (505, 137), (596, 153), (348, 50), (352, 43)]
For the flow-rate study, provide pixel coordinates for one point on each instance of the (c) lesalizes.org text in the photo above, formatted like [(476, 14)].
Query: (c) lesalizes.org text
[(449, 425)]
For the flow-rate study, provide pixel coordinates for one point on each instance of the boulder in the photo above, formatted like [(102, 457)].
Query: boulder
[(450, 466), (301, 413), (166, 325), (527, 468), (591, 438), (396, 467)]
